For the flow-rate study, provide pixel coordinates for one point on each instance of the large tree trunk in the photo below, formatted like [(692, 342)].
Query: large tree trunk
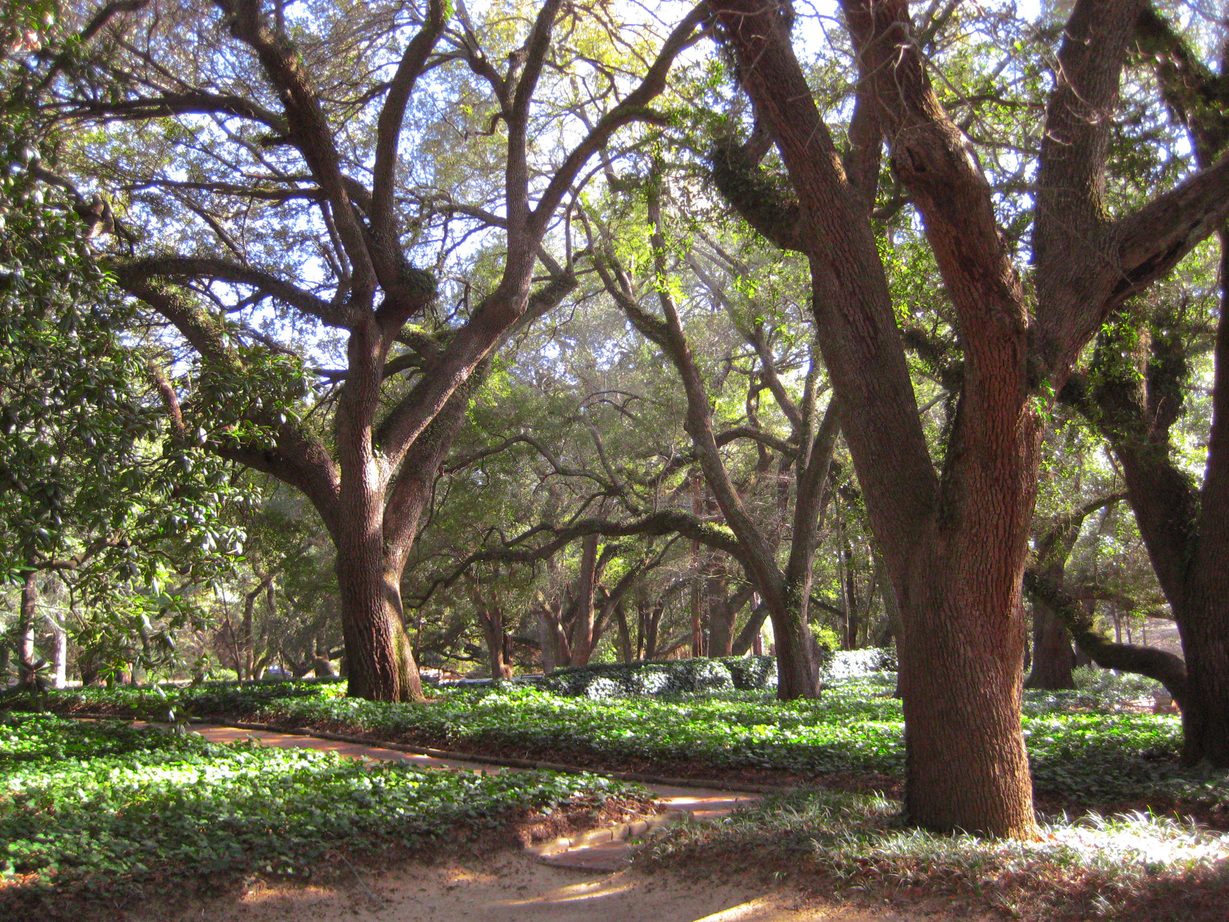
[(955, 545), (1204, 628), (955, 550), (1203, 615), (379, 662), (967, 767)]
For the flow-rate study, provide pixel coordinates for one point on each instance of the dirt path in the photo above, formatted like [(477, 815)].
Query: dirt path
[(516, 887), (512, 886)]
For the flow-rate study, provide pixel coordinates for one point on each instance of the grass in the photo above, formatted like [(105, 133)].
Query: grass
[(1129, 833), (1126, 867)]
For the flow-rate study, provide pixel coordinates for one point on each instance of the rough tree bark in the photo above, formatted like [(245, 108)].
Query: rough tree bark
[(955, 544)]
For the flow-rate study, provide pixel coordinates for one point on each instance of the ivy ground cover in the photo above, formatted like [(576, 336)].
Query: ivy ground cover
[(1089, 747), (107, 810)]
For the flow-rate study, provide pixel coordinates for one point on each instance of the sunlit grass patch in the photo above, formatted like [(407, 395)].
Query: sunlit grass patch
[(1125, 866)]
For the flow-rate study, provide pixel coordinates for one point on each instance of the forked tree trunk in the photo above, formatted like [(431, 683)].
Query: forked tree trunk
[(955, 544)]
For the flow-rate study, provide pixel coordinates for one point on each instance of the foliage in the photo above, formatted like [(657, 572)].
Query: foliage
[(92, 486), (1085, 747), (104, 808)]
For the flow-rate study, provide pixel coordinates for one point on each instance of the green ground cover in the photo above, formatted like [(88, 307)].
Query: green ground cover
[(104, 809), (1092, 746), (1128, 834)]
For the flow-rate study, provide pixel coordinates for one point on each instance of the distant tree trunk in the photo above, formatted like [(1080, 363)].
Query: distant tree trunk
[(1161, 665), (27, 663), (556, 651), (723, 615), (649, 620), (581, 610), (490, 614), (627, 652), (321, 664), (749, 636), (849, 578), (1053, 654), (491, 618), (59, 676), (786, 593), (698, 574)]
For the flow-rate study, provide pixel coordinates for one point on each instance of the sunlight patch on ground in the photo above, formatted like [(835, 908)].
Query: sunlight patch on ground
[(588, 890), (1154, 842)]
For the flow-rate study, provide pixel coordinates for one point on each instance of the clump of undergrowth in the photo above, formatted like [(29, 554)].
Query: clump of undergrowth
[(1125, 867)]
